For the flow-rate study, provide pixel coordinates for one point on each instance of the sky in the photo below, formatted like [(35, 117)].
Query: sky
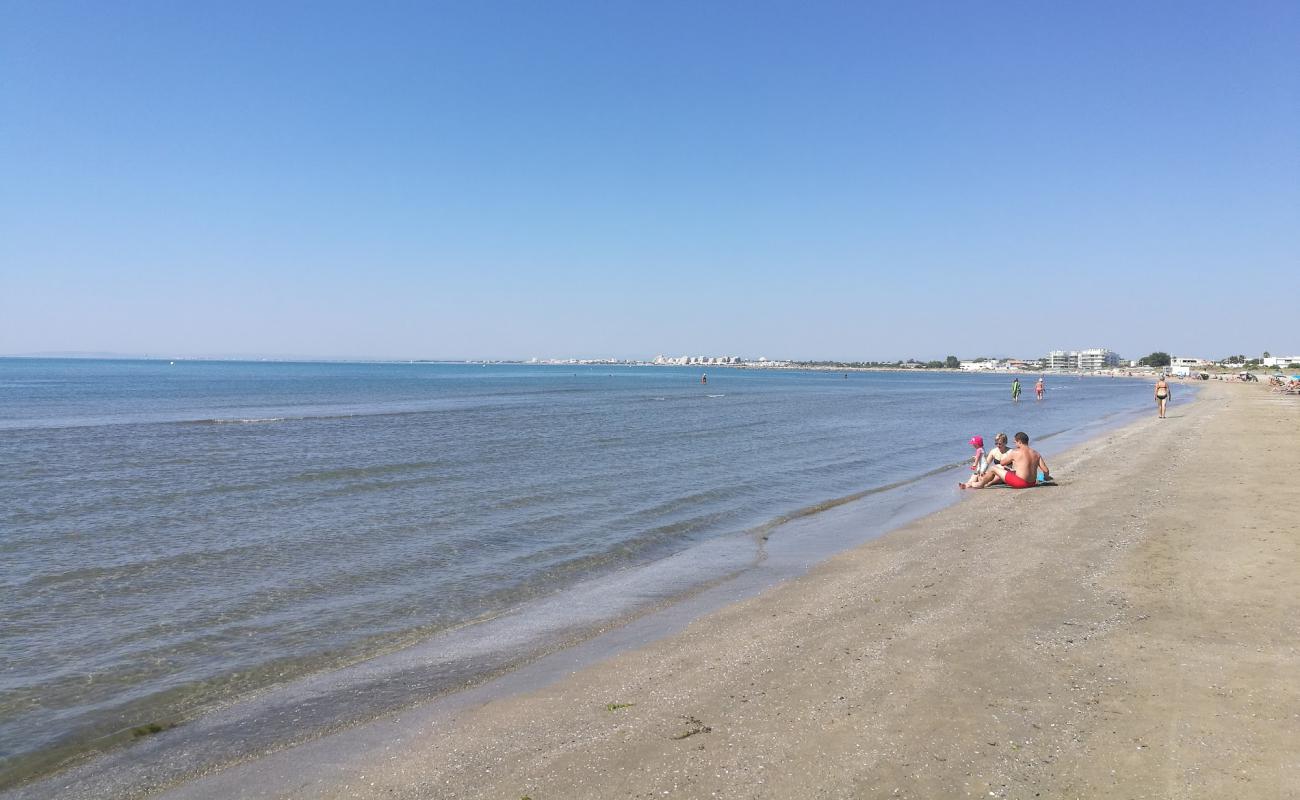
[(830, 180)]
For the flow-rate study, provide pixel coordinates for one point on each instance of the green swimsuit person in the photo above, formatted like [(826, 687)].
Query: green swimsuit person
[(1015, 388)]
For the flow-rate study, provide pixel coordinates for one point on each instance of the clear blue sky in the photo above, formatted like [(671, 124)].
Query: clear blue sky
[(485, 179)]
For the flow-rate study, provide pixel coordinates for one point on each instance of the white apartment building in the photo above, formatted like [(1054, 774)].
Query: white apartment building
[(1084, 360), (1062, 359), (1097, 358), (691, 360), (1280, 361)]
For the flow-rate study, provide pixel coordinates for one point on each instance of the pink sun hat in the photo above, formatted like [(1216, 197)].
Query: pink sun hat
[(977, 441)]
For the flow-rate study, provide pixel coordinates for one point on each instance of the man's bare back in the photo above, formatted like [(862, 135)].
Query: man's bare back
[(1026, 462)]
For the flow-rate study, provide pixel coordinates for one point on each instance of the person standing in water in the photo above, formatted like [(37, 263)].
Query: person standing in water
[(1038, 388), (704, 378), (1015, 390), (1162, 396)]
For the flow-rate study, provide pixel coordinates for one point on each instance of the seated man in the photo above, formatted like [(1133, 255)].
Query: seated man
[(1018, 469)]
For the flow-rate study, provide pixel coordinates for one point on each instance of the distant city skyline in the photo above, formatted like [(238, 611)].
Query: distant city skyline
[(495, 180), (692, 359)]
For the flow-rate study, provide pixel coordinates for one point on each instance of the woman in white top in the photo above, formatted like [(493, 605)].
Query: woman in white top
[(999, 450)]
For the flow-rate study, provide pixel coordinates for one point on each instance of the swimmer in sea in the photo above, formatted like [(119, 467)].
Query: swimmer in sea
[(1015, 389), (1038, 389)]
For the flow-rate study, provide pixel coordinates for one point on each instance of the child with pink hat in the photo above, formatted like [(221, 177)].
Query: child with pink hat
[(979, 462)]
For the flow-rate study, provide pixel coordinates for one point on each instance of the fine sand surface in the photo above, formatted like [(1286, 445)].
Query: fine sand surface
[(1133, 632)]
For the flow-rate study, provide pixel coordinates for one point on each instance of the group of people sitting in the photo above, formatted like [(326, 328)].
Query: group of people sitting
[(1284, 385), (1019, 468)]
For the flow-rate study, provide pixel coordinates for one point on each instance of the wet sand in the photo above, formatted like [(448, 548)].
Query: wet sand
[(1132, 632)]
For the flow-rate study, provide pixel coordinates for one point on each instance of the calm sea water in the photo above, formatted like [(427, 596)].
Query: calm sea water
[(174, 535)]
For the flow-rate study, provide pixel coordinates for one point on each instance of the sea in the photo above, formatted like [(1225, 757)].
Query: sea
[(176, 537)]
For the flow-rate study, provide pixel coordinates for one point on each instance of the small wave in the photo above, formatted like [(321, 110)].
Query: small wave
[(263, 420), (358, 473), (715, 395), (237, 421)]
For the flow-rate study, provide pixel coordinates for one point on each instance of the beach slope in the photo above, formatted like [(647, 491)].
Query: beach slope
[(1132, 632)]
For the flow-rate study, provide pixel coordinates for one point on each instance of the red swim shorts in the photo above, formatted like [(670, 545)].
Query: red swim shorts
[(1016, 482)]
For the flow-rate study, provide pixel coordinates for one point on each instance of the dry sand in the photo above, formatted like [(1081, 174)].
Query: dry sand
[(1134, 632)]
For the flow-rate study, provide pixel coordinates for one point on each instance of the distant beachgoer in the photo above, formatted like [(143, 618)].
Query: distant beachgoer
[(1162, 396), (1018, 469), (1038, 389), (704, 378), (1015, 389)]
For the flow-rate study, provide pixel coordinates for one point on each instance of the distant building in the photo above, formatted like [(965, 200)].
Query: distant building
[(690, 361), (1084, 360), (1061, 359), (1280, 361), (1097, 358)]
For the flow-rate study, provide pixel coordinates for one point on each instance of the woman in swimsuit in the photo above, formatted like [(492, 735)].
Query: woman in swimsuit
[(1162, 396)]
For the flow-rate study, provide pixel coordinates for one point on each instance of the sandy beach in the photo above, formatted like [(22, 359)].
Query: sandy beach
[(1133, 632), (580, 401)]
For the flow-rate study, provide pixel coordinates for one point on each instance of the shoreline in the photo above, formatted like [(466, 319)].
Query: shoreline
[(804, 546), (1103, 637)]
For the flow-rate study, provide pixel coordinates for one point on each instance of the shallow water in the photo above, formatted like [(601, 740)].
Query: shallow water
[(179, 534)]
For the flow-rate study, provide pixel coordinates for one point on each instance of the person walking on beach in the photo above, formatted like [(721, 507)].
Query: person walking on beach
[(1038, 388), (1162, 396), (1015, 390), (1018, 469)]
